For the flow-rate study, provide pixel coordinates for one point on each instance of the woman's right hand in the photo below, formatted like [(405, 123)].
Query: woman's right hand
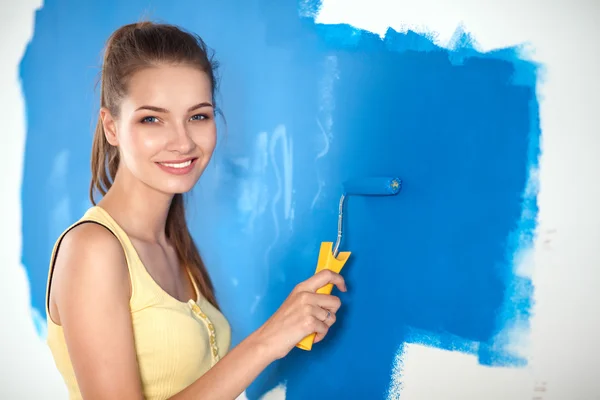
[(302, 313)]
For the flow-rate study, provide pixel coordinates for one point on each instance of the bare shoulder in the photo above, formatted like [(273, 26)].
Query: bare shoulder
[(88, 238), (89, 261), (90, 293)]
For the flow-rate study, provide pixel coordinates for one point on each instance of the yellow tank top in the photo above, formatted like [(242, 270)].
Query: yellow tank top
[(176, 342)]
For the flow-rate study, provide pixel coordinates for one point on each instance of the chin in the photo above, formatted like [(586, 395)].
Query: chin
[(173, 184), (178, 189)]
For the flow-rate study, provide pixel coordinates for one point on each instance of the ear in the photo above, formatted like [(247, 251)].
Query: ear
[(110, 126)]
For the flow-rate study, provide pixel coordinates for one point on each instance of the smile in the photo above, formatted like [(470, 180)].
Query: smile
[(178, 167)]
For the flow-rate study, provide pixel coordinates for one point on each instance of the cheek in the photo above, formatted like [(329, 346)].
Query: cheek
[(142, 142), (206, 139)]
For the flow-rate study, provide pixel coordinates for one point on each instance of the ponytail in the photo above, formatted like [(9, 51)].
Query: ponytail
[(105, 161), (187, 252)]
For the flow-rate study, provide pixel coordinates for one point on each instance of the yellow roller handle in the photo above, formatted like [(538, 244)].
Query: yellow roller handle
[(326, 261)]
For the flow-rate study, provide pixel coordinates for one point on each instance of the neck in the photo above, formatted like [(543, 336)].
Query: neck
[(139, 209)]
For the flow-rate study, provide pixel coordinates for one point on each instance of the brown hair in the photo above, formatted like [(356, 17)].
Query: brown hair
[(129, 49)]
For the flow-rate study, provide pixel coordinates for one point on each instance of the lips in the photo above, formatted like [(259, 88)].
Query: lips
[(182, 164), (178, 167)]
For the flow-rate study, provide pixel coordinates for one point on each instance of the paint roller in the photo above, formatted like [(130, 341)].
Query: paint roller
[(329, 254)]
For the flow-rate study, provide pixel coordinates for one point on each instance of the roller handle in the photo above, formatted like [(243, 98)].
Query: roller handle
[(326, 261)]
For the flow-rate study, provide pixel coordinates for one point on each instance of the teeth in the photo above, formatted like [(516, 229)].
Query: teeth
[(180, 165)]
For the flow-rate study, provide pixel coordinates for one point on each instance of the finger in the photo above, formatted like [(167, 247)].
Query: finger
[(320, 335), (326, 301), (324, 277), (330, 318), (320, 328), (327, 316)]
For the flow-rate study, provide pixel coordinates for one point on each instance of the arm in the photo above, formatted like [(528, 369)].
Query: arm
[(90, 292), (232, 374), (303, 313), (90, 295)]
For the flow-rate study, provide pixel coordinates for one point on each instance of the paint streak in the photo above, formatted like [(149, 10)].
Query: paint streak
[(431, 265), (324, 119), (283, 181)]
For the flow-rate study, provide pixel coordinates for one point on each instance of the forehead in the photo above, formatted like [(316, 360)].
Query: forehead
[(169, 86)]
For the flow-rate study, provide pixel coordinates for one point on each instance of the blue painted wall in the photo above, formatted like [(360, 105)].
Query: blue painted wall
[(459, 127)]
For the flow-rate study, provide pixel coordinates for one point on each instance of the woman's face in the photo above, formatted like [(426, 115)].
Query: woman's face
[(166, 131)]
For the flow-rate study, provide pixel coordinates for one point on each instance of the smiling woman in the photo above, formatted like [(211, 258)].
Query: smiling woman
[(156, 330)]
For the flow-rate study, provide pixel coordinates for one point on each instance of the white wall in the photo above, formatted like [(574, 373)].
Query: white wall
[(563, 345), (26, 366)]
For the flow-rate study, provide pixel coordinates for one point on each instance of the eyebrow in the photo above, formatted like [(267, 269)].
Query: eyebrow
[(165, 111)]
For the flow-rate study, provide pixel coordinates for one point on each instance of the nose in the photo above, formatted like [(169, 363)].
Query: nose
[(180, 141)]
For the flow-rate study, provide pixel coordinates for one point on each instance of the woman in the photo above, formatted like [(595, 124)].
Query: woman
[(131, 309)]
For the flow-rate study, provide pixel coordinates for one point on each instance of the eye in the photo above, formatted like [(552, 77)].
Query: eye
[(199, 117), (149, 120)]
